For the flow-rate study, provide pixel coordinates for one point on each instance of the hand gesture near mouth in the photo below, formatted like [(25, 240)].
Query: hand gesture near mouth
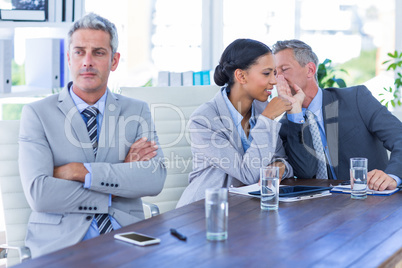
[(284, 90)]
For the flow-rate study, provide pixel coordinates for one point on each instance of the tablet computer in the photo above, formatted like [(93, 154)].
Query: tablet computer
[(291, 191)]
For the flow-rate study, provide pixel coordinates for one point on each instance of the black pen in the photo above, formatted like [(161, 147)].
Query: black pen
[(175, 233)]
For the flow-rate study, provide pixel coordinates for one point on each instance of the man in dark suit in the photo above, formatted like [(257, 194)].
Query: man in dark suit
[(327, 127)]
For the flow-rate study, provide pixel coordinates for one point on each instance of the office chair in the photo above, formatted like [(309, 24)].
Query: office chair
[(15, 209), (171, 108)]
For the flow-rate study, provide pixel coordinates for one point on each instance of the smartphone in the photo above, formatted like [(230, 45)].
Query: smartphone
[(137, 239)]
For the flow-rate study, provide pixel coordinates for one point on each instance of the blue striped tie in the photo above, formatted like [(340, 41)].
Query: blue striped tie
[(102, 220), (91, 113), (318, 147), (104, 223)]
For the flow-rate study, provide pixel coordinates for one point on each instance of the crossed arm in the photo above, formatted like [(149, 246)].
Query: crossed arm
[(141, 150), (65, 192)]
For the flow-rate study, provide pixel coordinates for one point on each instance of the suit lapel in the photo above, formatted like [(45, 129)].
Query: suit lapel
[(74, 125), (110, 121), (330, 109), (227, 122)]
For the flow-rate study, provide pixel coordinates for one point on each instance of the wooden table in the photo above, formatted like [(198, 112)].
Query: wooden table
[(332, 231)]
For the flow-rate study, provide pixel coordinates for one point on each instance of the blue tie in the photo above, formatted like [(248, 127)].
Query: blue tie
[(91, 113), (318, 147), (102, 220)]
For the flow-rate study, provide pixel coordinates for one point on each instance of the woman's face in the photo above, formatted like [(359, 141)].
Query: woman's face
[(260, 78)]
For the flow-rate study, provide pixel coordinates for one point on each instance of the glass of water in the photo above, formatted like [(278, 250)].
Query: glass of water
[(269, 179), (216, 213), (358, 178)]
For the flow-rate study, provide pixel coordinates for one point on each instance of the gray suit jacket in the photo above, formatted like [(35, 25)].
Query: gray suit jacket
[(217, 149), (53, 133), (356, 125)]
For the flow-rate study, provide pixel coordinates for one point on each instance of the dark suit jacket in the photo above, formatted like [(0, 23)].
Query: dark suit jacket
[(356, 125)]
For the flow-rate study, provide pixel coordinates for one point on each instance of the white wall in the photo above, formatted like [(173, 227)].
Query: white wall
[(2, 226)]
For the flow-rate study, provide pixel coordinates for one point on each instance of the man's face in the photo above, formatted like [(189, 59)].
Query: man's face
[(291, 69), (90, 60)]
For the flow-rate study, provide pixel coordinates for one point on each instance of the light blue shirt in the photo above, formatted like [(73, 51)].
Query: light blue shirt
[(81, 105), (237, 118), (316, 107)]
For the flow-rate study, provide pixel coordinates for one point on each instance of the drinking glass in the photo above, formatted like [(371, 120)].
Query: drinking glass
[(269, 179), (358, 178), (216, 213)]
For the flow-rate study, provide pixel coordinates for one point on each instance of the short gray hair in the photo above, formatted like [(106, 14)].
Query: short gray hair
[(95, 22), (302, 52)]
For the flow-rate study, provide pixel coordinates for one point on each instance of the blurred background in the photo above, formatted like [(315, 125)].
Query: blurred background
[(190, 35)]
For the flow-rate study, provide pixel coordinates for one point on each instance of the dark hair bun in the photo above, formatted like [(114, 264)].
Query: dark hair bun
[(240, 54), (220, 76)]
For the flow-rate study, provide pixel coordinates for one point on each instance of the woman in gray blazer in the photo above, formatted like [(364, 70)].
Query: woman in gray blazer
[(235, 133)]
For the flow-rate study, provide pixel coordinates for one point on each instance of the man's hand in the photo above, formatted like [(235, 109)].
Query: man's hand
[(379, 181), (72, 171), (141, 150), (285, 91)]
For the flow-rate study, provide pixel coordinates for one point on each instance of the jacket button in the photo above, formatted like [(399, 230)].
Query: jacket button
[(85, 208), (79, 208), (88, 218), (116, 185), (102, 183), (107, 184), (95, 208), (90, 208), (111, 185)]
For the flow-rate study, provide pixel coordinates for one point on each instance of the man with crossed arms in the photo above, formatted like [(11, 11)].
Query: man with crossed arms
[(87, 155), (350, 121)]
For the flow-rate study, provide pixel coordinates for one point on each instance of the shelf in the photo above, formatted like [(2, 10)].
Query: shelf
[(16, 24), (25, 91)]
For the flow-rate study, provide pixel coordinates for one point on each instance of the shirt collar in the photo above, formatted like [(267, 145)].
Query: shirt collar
[(236, 116), (316, 104), (82, 105)]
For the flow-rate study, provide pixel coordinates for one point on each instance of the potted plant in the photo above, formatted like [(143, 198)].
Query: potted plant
[(326, 75), (394, 64)]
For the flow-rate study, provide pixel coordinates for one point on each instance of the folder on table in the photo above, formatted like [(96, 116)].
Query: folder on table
[(345, 189)]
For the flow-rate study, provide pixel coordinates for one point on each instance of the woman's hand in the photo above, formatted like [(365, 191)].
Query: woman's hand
[(282, 168), (276, 107)]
